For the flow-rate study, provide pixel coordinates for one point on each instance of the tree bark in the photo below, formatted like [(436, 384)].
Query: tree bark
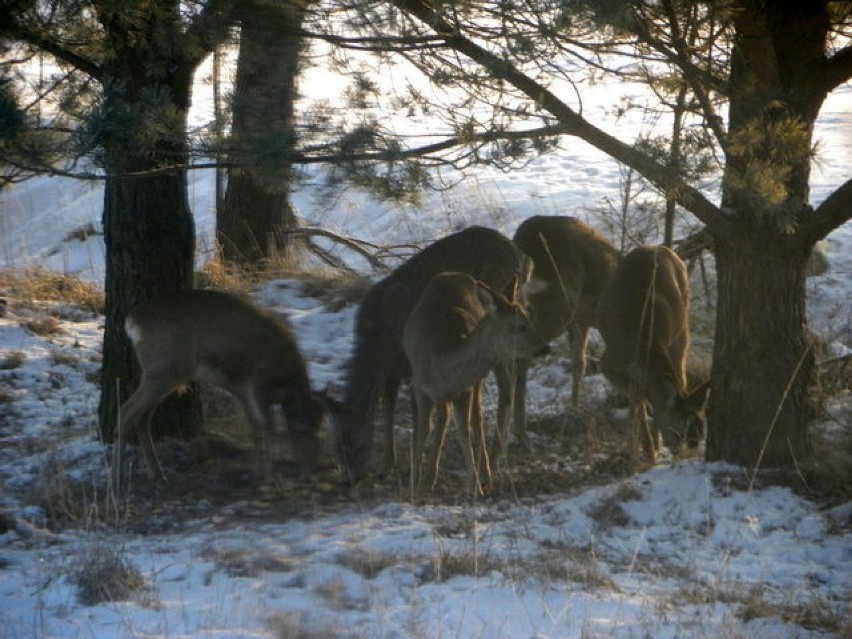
[(760, 403), (149, 231), (149, 234), (257, 203)]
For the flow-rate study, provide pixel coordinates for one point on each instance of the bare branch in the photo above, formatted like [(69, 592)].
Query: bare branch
[(835, 211), (573, 123), (371, 252)]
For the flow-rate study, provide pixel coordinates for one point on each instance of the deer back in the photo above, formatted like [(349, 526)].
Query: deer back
[(219, 337), (572, 266), (483, 253)]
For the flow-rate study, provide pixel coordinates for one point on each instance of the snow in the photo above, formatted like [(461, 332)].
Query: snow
[(678, 551)]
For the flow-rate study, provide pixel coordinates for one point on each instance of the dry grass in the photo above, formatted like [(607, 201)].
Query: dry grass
[(66, 503), (43, 326), (12, 360), (369, 564), (43, 285), (220, 274), (609, 513), (293, 625), (816, 614), (104, 574), (335, 289), (338, 596)]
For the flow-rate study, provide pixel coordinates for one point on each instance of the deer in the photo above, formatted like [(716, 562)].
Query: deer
[(378, 365), (221, 338), (459, 331), (643, 319), (572, 264)]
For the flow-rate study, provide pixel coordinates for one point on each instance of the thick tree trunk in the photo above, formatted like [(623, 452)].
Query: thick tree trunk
[(250, 223), (257, 202), (761, 403), (150, 245), (763, 361), (149, 231)]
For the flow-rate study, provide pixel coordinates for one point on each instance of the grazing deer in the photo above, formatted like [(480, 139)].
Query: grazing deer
[(223, 339), (378, 365), (644, 322), (572, 263), (458, 332)]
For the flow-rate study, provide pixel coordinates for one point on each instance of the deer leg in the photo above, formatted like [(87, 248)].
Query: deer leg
[(136, 415), (477, 425), (507, 383), (259, 415), (442, 417), (389, 394), (642, 434), (635, 430), (519, 403), (461, 417), (581, 337), (418, 437)]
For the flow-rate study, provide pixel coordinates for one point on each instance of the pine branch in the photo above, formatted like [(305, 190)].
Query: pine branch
[(573, 123)]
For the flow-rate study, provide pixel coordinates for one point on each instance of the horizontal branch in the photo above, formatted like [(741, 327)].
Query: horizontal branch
[(84, 64), (835, 211), (572, 122)]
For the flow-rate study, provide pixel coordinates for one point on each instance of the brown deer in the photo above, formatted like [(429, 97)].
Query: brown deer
[(223, 339), (458, 332), (643, 318), (572, 264), (378, 365)]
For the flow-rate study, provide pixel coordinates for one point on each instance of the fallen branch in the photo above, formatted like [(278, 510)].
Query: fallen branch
[(375, 254)]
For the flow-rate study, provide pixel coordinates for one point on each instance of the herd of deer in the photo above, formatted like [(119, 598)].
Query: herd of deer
[(469, 304)]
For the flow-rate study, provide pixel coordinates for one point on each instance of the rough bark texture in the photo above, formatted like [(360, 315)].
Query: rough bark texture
[(763, 359), (148, 226), (150, 245), (761, 402), (257, 202)]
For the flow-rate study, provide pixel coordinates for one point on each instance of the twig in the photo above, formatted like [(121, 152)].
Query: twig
[(369, 251), (776, 416)]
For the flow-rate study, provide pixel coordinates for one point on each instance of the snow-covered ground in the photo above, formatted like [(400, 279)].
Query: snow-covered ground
[(684, 551)]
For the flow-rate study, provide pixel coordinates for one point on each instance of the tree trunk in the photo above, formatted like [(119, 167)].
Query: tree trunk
[(149, 231), (760, 405), (257, 202), (762, 400), (150, 246)]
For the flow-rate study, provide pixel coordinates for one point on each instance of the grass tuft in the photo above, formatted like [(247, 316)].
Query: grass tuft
[(105, 574), (43, 326), (12, 360)]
